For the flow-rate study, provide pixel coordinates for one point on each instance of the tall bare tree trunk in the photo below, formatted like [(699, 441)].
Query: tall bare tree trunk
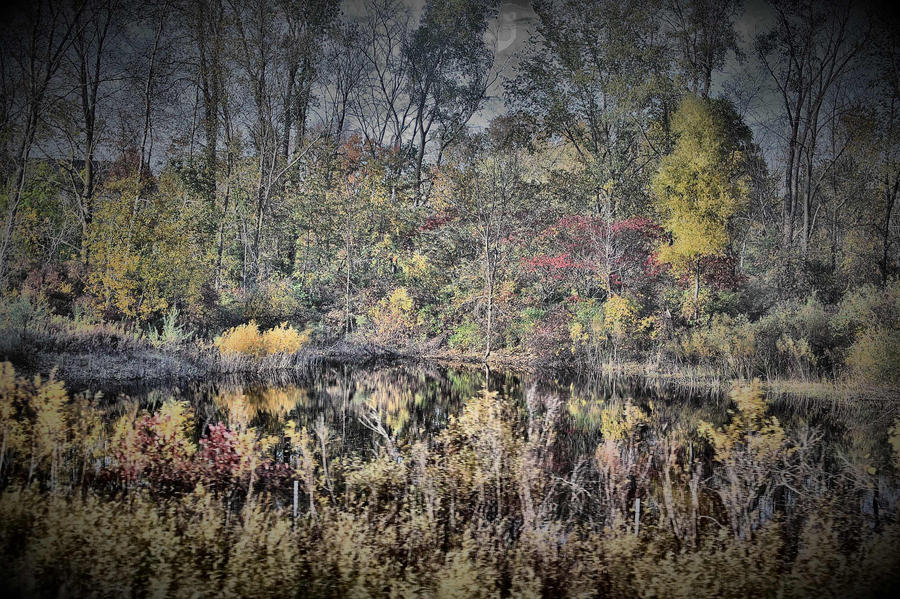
[(489, 292)]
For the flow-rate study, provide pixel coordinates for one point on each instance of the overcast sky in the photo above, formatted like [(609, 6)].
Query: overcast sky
[(516, 23), (744, 82)]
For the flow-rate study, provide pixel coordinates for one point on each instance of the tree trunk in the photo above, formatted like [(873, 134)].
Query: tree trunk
[(347, 247), (787, 209), (890, 200), (490, 314), (697, 290), (420, 159), (18, 188), (221, 249)]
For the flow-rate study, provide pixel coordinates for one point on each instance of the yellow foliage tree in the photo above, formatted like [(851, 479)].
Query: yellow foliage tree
[(702, 183), (143, 250)]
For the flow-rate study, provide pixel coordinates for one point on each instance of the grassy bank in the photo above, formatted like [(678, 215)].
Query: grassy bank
[(110, 354)]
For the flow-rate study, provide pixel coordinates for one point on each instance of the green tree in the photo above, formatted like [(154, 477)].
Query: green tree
[(702, 183), (488, 184), (594, 75)]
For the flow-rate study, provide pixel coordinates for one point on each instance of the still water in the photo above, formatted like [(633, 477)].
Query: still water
[(363, 412), (363, 407)]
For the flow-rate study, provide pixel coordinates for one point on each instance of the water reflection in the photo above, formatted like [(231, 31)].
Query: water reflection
[(418, 461), (587, 420)]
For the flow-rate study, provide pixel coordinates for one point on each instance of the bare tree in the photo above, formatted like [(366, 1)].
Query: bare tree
[(90, 62), (272, 78), (489, 190), (810, 49), (704, 35), (34, 60), (382, 108), (449, 74)]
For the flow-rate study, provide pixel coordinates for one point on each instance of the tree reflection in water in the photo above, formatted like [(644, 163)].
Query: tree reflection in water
[(427, 476)]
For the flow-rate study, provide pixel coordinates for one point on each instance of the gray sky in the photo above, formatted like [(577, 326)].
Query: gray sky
[(516, 22), (742, 81)]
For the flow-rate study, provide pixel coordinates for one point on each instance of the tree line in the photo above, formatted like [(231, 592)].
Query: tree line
[(654, 172)]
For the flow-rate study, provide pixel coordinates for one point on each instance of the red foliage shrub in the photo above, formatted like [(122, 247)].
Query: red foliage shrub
[(575, 248), (155, 453), (550, 334)]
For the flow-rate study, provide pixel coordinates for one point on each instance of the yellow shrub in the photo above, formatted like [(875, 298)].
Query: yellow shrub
[(247, 339), (875, 356), (621, 315), (242, 339), (393, 316), (284, 339)]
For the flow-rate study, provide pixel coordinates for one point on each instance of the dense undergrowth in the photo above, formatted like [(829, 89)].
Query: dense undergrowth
[(853, 342), (153, 503)]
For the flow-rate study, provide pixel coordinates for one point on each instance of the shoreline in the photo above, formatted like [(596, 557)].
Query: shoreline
[(141, 363)]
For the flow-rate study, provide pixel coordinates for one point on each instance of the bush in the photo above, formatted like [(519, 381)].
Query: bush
[(284, 339), (608, 329), (269, 303), (549, 337), (467, 337), (393, 317), (795, 339), (522, 328), (247, 339), (727, 343), (586, 330), (20, 311), (875, 356), (171, 332)]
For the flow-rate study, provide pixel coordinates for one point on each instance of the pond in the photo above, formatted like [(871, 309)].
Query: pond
[(425, 479), (647, 427)]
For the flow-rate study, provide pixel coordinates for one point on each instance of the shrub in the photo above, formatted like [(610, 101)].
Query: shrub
[(866, 305), (242, 339), (393, 317), (726, 343), (284, 339), (605, 329), (247, 339), (269, 303), (171, 332), (875, 356), (549, 337), (586, 330), (20, 311), (467, 336), (523, 328)]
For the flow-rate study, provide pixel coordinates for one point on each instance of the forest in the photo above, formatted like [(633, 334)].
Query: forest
[(698, 193), (639, 182)]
